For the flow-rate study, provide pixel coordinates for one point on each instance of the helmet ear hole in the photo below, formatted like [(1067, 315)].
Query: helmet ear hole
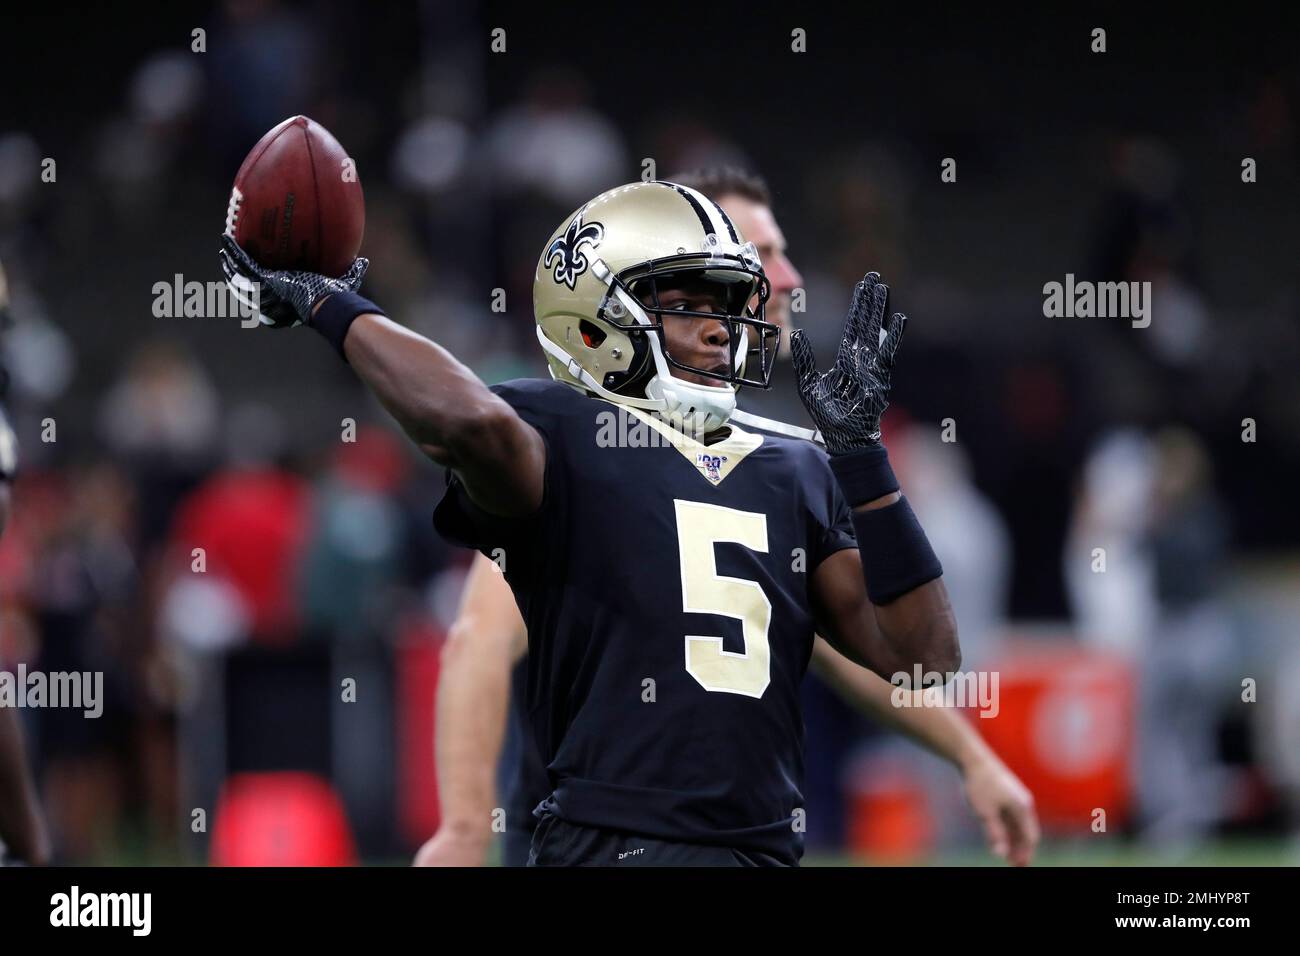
[(592, 334)]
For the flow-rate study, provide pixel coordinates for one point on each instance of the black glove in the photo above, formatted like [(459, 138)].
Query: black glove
[(282, 298), (846, 402)]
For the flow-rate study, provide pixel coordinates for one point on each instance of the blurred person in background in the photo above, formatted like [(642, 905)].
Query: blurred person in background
[(236, 541), (1187, 675), (553, 144), (1144, 564), (356, 543), (1278, 724), (1145, 232), (488, 640), (161, 420), (82, 596), (1108, 572), (22, 827), (545, 150), (71, 593)]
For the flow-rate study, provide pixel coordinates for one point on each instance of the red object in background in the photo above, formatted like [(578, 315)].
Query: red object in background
[(417, 661), (251, 525), (889, 817), (281, 819), (376, 461), (1065, 725), (42, 505)]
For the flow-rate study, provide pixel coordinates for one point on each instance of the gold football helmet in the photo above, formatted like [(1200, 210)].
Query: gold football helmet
[(612, 256)]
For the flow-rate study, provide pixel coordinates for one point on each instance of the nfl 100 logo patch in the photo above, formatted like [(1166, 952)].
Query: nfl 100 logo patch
[(711, 465)]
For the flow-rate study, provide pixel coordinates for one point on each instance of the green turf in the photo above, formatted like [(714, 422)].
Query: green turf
[(1110, 853)]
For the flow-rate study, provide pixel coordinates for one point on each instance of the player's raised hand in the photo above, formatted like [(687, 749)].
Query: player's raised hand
[(281, 298), (847, 401)]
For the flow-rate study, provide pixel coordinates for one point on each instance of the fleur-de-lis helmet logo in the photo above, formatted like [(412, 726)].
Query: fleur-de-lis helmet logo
[(566, 251)]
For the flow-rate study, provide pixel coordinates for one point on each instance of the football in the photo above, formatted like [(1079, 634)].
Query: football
[(297, 202)]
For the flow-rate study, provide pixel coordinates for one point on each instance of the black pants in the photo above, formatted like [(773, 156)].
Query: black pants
[(557, 842), (518, 845)]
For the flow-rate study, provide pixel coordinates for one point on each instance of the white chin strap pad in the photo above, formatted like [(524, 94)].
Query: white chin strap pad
[(697, 409)]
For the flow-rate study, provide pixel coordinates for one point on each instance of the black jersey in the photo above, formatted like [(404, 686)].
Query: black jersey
[(665, 587)]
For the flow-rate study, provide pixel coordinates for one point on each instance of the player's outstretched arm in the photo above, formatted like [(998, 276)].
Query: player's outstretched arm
[(485, 642), (883, 605), (1001, 802), (441, 404), (448, 411)]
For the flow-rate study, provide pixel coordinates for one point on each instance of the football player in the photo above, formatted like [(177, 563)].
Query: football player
[(670, 566), (23, 837), (488, 640)]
